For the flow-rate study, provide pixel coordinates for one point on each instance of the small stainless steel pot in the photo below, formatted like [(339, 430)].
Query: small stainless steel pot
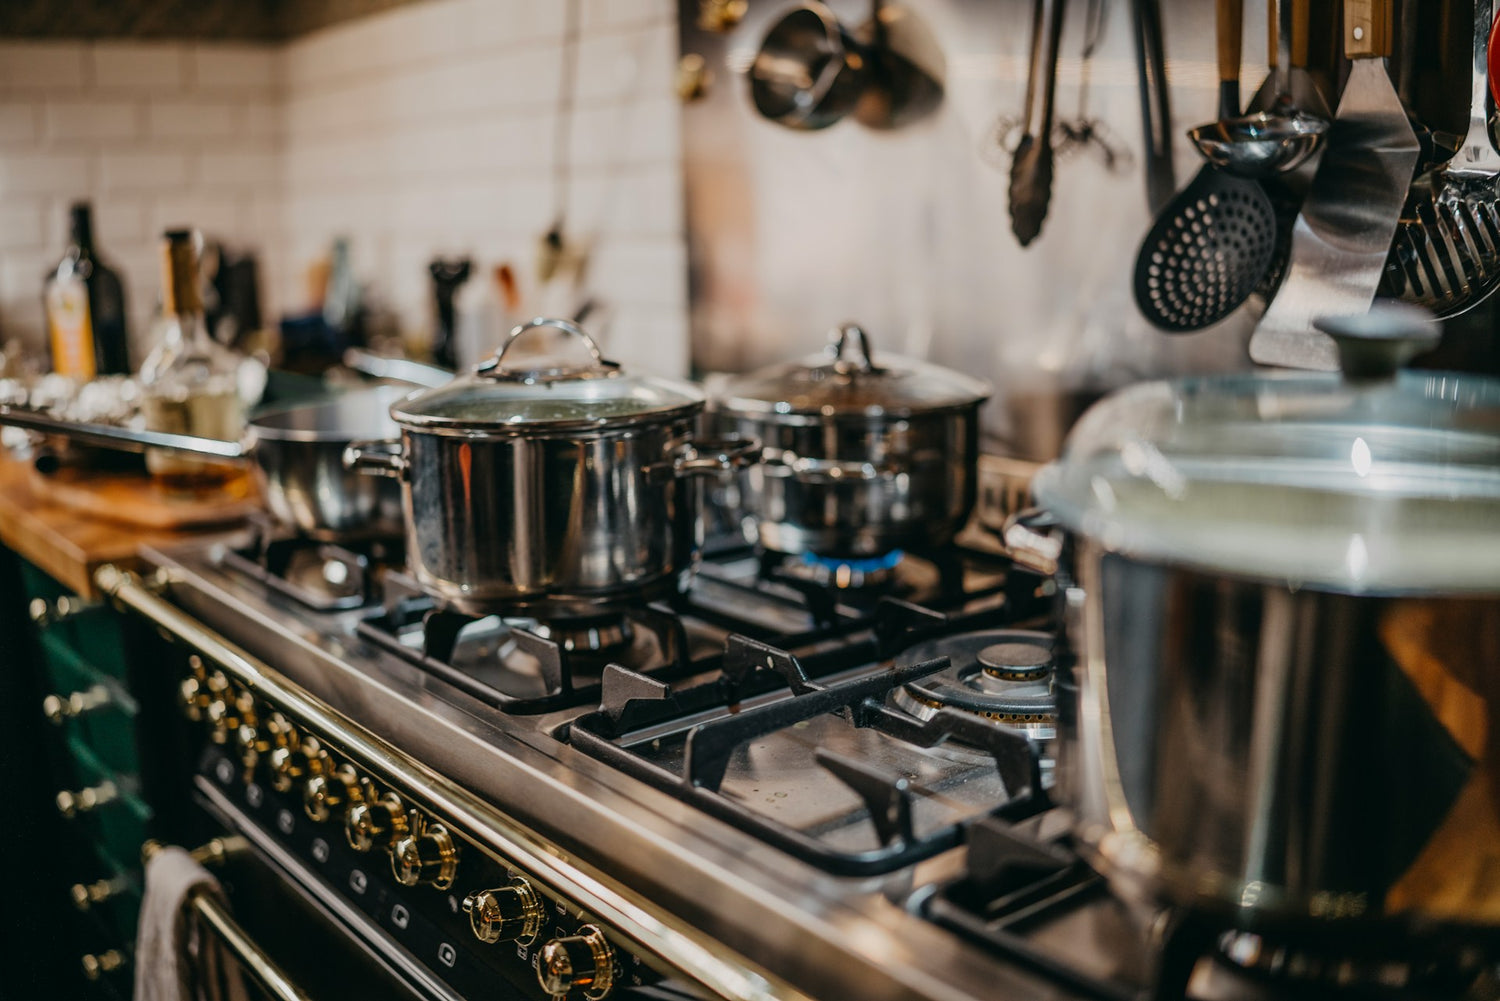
[(1283, 596), (555, 491), (298, 455), (860, 459)]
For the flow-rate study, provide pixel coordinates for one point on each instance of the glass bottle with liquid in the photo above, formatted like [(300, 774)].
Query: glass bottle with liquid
[(189, 382), (84, 301)]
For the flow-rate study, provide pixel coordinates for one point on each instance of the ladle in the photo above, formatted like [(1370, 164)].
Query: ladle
[(1276, 140)]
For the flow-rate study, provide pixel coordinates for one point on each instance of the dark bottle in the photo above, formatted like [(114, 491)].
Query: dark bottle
[(85, 308), (447, 276)]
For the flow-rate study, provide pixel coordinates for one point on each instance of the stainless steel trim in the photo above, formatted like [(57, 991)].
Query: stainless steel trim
[(638, 921), (251, 957)]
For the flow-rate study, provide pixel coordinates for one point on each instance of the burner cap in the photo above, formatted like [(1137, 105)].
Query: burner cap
[(1012, 661), (849, 574), (1004, 675)]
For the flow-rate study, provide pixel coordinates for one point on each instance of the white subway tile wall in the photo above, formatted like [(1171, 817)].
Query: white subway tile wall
[(425, 130), (154, 135)]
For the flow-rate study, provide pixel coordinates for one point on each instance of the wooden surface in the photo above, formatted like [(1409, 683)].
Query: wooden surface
[(68, 542)]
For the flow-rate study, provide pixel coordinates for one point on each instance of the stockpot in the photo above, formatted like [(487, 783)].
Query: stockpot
[(1282, 592), (298, 454), (860, 458), (552, 486)]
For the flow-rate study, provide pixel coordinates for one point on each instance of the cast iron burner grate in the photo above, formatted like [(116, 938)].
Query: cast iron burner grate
[(554, 672), (762, 690), (320, 576), (1028, 896)]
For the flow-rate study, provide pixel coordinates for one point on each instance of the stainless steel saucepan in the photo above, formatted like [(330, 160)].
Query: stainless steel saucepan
[(554, 487), (1283, 594), (298, 456), (861, 457)]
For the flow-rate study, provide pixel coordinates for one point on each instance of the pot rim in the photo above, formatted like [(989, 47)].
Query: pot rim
[(752, 408), (455, 428)]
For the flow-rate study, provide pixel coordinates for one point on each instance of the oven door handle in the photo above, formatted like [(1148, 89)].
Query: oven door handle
[(251, 957), (631, 916)]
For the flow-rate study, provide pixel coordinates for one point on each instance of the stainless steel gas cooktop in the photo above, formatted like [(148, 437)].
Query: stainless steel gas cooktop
[(774, 787)]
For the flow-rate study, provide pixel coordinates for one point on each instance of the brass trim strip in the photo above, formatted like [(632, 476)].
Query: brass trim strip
[(639, 921)]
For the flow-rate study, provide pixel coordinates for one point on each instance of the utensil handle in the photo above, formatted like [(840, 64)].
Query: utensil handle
[(1368, 28), (382, 457), (1231, 37), (122, 439), (1494, 61)]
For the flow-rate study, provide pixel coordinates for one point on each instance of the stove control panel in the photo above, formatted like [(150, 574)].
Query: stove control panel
[(465, 916)]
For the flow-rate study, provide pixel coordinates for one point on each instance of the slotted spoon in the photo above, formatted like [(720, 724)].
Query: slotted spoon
[(1214, 242)]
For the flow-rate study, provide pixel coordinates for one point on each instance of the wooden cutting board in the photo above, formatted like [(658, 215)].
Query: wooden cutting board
[(68, 541), (133, 498)]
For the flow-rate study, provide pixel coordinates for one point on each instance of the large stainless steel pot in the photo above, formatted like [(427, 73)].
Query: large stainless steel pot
[(860, 458), (551, 487), (1283, 594), (298, 455)]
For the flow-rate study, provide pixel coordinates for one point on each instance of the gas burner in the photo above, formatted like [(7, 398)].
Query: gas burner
[(1004, 675), (321, 576), (582, 636), (841, 574)]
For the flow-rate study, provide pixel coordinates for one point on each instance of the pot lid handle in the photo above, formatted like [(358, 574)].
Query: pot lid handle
[(597, 366), (1375, 345), (843, 343)]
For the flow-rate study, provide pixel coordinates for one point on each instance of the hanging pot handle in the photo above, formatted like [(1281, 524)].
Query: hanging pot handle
[(711, 456), (844, 341), (1034, 539), (376, 458), (495, 368)]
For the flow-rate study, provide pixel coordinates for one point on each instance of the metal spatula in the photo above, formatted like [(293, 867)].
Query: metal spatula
[(1342, 236)]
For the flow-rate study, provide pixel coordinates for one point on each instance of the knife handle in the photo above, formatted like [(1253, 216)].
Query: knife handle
[(1368, 27)]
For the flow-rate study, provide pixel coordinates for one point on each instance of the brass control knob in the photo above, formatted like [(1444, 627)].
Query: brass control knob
[(60, 708), (86, 895), (255, 741), (511, 913), (71, 804), (193, 698), (582, 962), (96, 966), (332, 793), (376, 824), (430, 857), (296, 762)]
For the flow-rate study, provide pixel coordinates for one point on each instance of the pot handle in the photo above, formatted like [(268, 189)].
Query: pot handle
[(494, 368), (814, 470), (1034, 540), (712, 456), (379, 457)]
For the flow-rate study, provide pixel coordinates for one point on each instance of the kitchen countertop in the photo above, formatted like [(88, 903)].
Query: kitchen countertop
[(66, 542)]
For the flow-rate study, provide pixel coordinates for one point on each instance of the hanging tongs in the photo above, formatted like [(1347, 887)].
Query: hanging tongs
[(1031, 167)]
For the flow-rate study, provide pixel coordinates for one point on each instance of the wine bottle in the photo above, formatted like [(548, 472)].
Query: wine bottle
[(84, 301)]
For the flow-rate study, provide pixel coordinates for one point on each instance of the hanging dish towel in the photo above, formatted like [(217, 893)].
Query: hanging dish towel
[(176, 957)]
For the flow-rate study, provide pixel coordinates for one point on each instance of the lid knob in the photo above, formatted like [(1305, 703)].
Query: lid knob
[(495, 368), (1375, 345), (850, 347)]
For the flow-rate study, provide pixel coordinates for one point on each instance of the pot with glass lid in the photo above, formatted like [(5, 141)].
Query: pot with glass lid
[(1283, 595), (861, 459), (553, 486)]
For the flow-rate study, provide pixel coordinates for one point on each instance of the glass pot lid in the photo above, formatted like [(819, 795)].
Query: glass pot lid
[(1376, 480), (845, 381), (564, 385)]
